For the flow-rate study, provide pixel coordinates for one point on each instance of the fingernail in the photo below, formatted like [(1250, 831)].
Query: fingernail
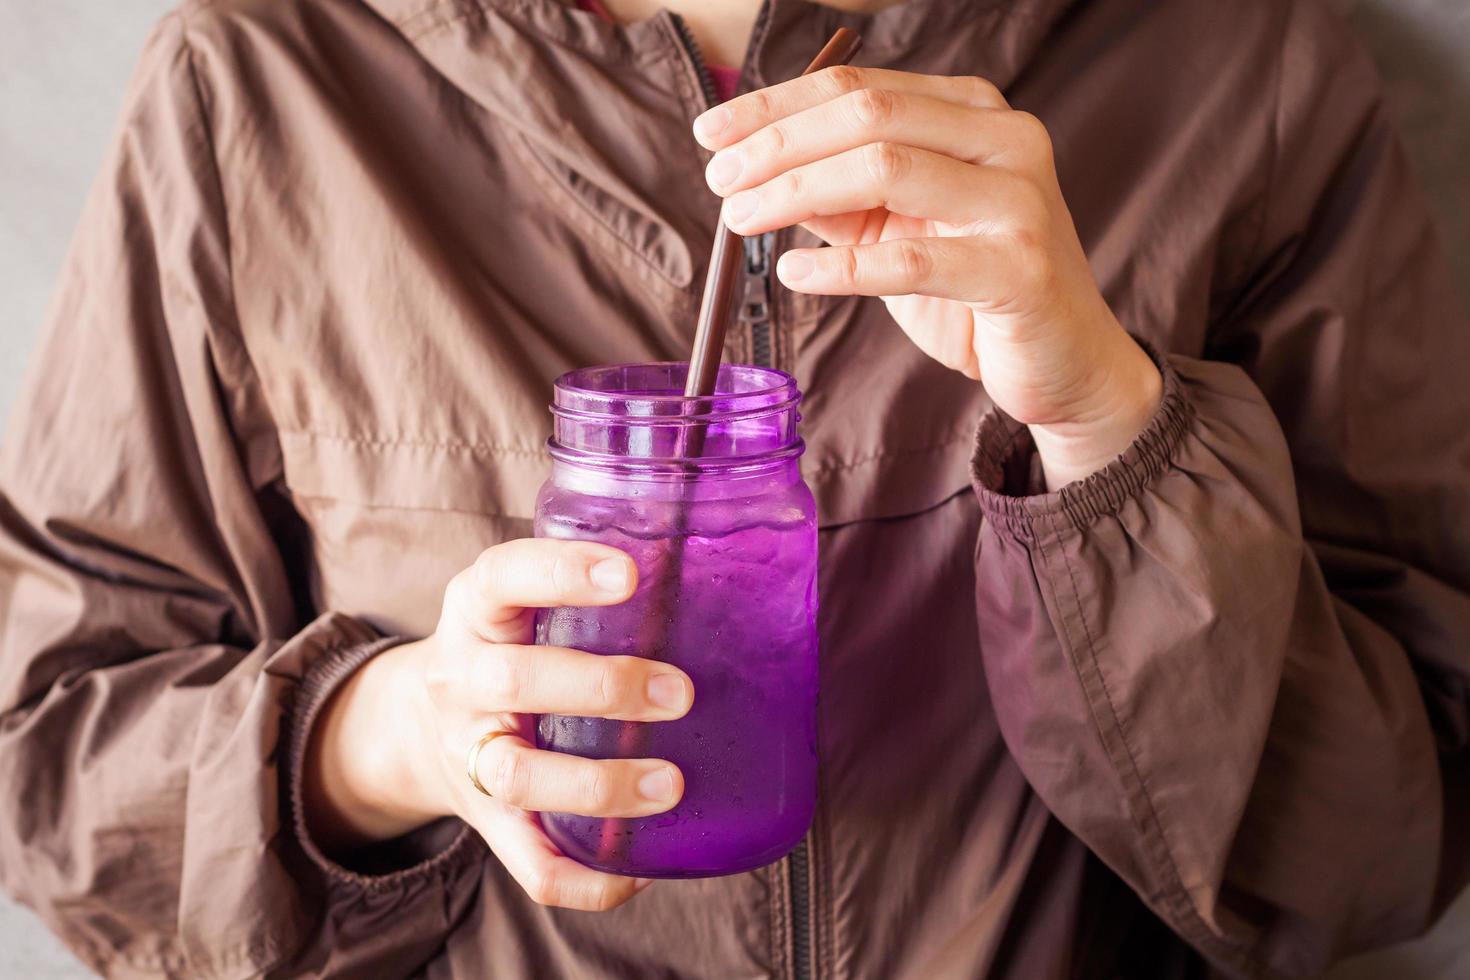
[(641, 883), (741, 206), (610, 575), (793, 267), (725, 168), (666, 690), (656, 786), (712, 123)]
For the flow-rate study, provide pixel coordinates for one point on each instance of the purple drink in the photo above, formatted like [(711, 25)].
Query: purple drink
[(725, 544)]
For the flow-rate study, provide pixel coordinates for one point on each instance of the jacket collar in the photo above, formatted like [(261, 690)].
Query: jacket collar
[(788, 31), (603, 109)]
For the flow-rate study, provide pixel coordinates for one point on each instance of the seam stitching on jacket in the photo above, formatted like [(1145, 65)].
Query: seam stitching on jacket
[(446, 13), (1175, 894), (235, 327), (1102, 684), (418, 508), (856, 461), (374, 442), (453, 11), (623, 246), (247, 953), (436, 17)]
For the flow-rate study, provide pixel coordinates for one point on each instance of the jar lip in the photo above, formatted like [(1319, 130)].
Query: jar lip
[(682, 418), (675, 467), (638, 415), (740, 389)]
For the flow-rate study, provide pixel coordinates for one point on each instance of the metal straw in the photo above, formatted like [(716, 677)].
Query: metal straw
[(724, 258)]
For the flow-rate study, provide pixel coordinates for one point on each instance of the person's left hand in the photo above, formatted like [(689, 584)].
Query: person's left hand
[(938, 197)]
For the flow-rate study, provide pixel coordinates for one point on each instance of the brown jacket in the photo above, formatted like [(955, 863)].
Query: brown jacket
[(295, 378)]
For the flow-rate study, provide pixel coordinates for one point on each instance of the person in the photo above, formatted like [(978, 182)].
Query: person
[(1161, 669)]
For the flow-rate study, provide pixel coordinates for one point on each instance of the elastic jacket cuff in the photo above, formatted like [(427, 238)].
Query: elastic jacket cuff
[(1007, 479), (427, 852)]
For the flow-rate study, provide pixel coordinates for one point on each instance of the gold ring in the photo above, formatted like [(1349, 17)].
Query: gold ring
[(474, 759)]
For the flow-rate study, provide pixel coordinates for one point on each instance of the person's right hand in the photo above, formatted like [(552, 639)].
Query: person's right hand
[(389, 751)]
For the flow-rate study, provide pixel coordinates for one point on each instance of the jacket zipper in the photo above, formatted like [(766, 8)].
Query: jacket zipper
[(691, 48), (755, 306), (799, 862), (757, 313)]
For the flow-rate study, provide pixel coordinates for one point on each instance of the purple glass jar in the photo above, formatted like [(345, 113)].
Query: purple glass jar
[(706, 495)]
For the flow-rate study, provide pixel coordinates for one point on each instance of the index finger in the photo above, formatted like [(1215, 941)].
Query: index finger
[(734, 120), (496, 595)]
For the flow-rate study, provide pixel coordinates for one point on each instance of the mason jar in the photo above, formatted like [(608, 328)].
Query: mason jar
[(706, 495)]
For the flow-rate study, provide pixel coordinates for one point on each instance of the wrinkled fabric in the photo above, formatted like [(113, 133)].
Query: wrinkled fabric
[(1205, 710), (724, 80)]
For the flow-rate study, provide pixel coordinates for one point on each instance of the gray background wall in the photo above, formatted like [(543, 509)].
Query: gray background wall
[(62, 67)]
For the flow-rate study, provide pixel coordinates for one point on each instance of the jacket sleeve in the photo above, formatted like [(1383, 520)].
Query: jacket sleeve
[(159, 664), (1236, 662)]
